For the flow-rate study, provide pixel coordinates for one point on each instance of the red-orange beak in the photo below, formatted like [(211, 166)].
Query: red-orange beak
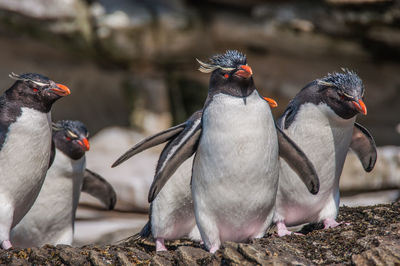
[(61, 90), (360, 106), (244, 72), (84, 143), (272, 103)]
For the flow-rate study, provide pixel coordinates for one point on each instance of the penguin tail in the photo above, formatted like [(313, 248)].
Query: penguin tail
[(144, 233)]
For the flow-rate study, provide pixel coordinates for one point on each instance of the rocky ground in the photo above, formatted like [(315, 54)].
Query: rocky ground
[(373, 237)]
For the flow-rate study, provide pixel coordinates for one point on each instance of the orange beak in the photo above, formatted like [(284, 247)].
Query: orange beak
[(360, 106), (272, 103), (84, 143), (61, 90), (244, 72)]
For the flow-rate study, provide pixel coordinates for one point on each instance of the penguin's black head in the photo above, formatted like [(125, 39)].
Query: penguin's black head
[(344, 93), (35, 91), (71, 137), (230, 74)]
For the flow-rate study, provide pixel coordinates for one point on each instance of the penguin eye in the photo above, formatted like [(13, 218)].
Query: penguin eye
[(226, 76), (35, 90), (68, 138), (341, 95)]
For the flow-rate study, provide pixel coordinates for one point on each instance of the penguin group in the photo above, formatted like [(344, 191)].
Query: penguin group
[(42, 166), (230, 171)]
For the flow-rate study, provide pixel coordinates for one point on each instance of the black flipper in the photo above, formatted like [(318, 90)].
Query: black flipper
[(176, 152), (99, 188), (363, 145), (151, 141), (52, 153), (298, 161)]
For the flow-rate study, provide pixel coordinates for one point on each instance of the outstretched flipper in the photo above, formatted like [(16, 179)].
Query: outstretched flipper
[(151, 141), (99, 188), (363, 144), (298, 161), (176, 152)]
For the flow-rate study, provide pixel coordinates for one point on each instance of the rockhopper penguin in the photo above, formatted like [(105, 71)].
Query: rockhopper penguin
[(321, 120), (172, 211), (51, 218), (25, 145)]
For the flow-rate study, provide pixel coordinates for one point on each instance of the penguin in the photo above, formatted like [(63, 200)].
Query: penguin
[(25, 145), (321, 120), (172, 211), (51, 218)]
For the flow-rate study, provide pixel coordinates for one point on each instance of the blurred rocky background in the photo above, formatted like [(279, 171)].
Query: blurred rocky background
[(131, 68)]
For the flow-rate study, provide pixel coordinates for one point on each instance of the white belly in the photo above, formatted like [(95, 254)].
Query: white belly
[(24, 159), (325, 138), (235, 172), (51, 218), (172, 214)]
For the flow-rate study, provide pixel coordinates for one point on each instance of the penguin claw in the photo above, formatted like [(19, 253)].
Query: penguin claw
[(6, 244), (160, 245), (283, 231), (213, 249), (331, 223)]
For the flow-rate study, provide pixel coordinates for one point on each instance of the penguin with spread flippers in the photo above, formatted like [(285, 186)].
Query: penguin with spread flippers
[(321, 120), (25, 145), (229, 70), (51, 218)]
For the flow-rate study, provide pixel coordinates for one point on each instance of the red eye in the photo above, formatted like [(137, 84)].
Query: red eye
[(35, 90), (68, 138), (342, 97), (226, 76)]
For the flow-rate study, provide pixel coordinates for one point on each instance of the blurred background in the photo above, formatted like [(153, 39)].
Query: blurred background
[(131, 68)]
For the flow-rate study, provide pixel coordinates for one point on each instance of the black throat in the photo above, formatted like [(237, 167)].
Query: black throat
[(235, 87)]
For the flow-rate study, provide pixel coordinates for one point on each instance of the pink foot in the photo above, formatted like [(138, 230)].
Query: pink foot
[(331, 223), (213, 249), (283, 231), (160, 245), (6, 244)]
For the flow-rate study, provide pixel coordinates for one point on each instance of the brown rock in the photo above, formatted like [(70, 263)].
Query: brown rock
[(387, 253), (191, 256)]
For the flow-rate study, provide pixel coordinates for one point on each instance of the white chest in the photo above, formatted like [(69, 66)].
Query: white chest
[(24, 159), (51, 218), (236, 162), (325, 138)]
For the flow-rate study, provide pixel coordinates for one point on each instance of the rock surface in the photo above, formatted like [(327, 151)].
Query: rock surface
[(373, 237)]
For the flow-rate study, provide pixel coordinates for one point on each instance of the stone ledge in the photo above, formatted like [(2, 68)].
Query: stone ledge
[(373, 237)]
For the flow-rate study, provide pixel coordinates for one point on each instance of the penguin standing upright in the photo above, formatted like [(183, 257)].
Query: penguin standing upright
[(25, 145), (172, 211), (51, 218), (321, 120)]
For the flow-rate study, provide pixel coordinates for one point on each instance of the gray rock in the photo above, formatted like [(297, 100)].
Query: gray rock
[(132, 179), (385, 175)]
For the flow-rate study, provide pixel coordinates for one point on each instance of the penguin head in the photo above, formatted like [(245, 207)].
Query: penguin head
[(36, 91), (344, 93), (71, 137), (229, 73)]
